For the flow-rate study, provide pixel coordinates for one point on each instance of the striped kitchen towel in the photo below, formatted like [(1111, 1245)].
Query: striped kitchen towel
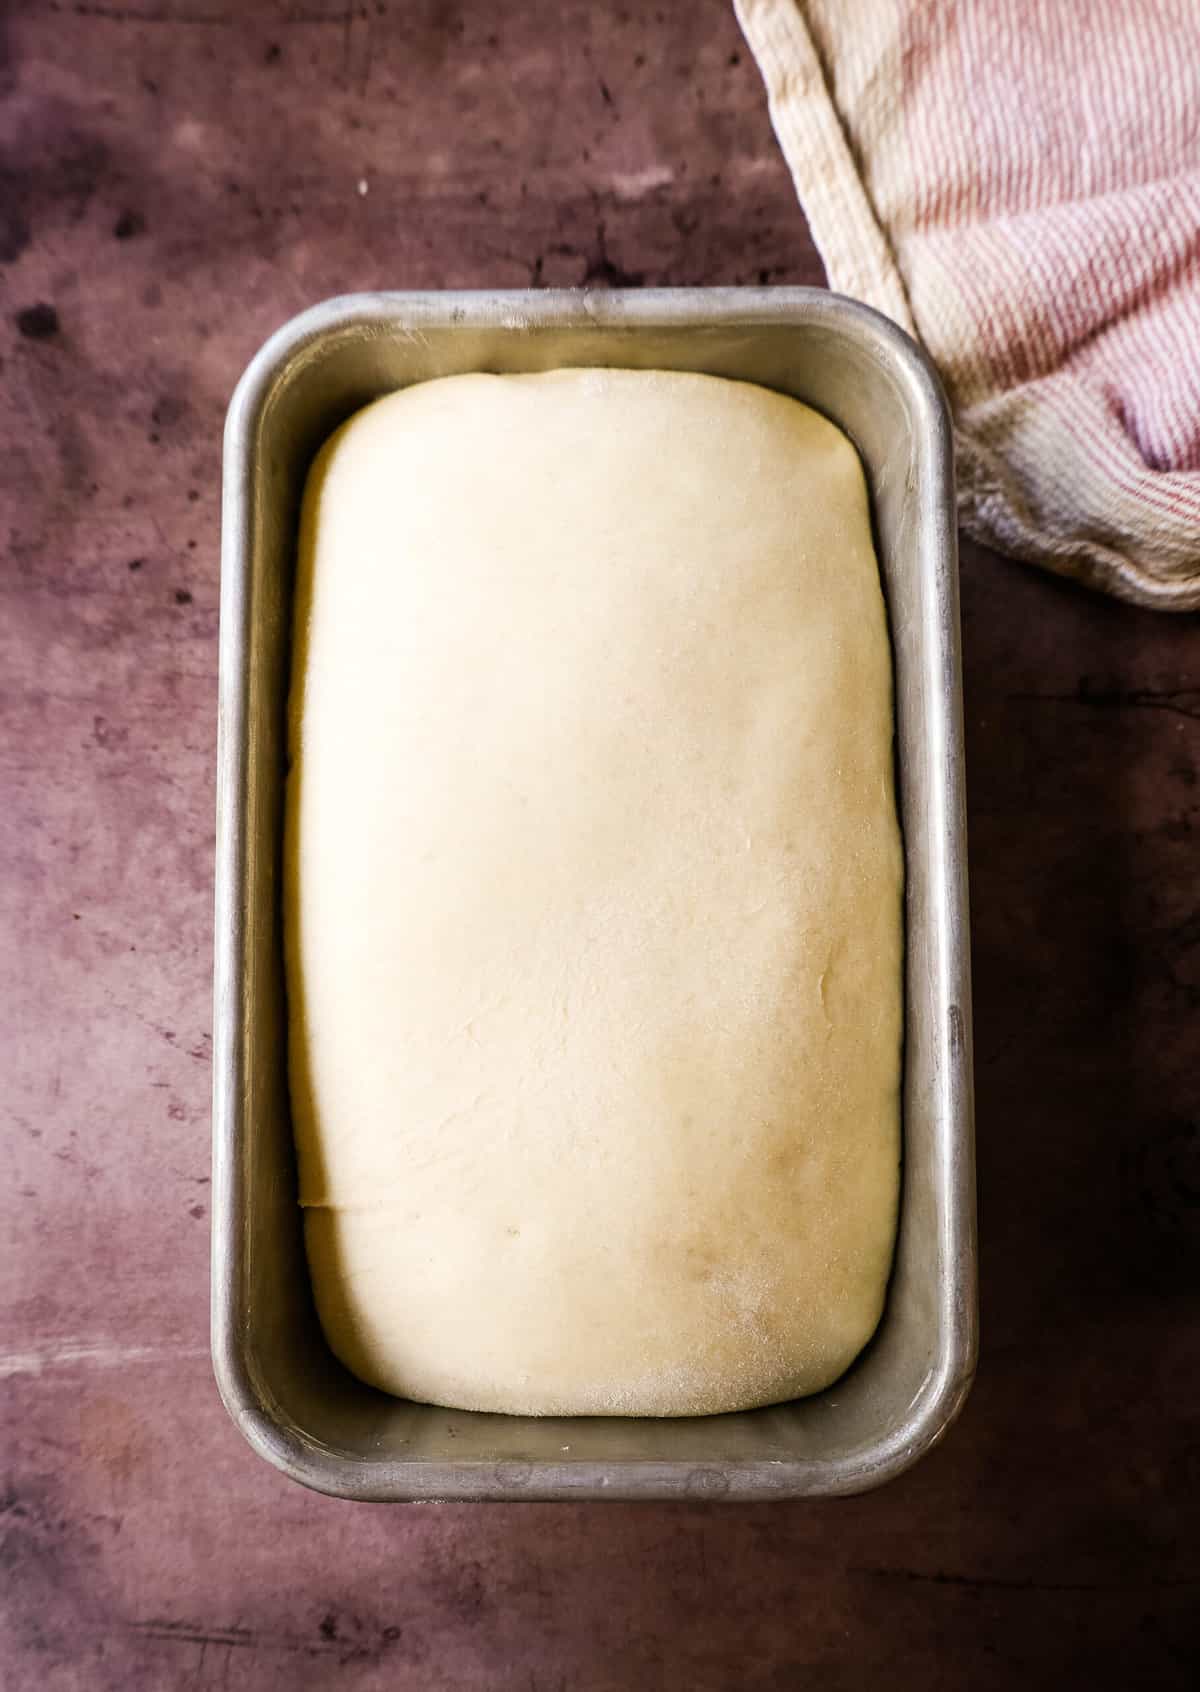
[(1017, 183)]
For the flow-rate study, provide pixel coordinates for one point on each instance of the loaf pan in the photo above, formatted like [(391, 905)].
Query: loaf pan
[(293, 1401)]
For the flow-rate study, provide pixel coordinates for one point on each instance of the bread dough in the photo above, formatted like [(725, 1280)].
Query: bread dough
[(593, 896)]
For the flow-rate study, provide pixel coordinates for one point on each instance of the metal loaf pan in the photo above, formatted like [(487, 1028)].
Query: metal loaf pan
[(292, 1400)]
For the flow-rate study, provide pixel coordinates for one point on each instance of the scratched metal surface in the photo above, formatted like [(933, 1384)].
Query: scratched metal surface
[(177, 179)]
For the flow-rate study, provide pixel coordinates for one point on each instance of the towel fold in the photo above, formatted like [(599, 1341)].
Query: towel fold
[(1017, 183)]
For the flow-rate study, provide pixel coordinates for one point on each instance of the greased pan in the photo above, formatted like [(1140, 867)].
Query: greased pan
[(295, 1404)]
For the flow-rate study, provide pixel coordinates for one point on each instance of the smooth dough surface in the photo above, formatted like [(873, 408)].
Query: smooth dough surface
[(593, 896)]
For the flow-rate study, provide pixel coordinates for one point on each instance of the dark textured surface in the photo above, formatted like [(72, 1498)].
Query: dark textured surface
[(176, 180)]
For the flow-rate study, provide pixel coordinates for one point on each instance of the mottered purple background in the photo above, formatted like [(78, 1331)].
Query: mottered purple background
[(175, 181)]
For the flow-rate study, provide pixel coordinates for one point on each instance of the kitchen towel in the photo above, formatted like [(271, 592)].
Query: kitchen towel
[(1017, 184)]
